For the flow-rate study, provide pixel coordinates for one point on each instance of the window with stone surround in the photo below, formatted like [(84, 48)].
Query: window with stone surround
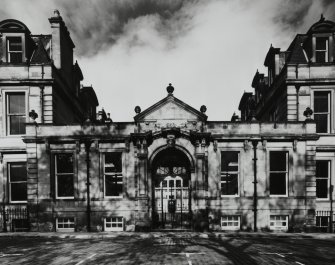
[(17, 182), (113, 179), (321, 50), (113, 223), (230, 222), (279, 222), (65, 224), (322, 110), (278, 173), (14, 50), (322, 179), (229, 173), (16, 113), (64, 176)]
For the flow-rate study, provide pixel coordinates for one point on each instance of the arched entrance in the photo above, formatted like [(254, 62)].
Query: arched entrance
[(171, 189)]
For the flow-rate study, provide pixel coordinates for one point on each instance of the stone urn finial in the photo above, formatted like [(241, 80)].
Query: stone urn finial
[(33, 115), (308, 113), (170, 89), (137, 109)]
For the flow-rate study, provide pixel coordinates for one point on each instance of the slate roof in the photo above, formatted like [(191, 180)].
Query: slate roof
[(40, 55), (296, 53)]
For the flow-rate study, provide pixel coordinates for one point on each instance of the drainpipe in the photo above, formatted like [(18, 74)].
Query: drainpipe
[(331, 189), (254, 144), (42, 103), (88, 209), (4, 213)]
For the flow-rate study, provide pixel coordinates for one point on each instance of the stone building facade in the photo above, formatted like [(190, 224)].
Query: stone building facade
[(300, 82), (38, 81), (169, 168)]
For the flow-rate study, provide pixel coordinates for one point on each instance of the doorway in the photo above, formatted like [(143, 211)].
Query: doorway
[(171, 190)]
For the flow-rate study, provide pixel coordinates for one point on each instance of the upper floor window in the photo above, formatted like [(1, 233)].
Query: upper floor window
[(321, 50), (64, 176), (14, 50), (16, 113), (322, 178), (17, 179), (278, 173), (113, 180), (229, 173), (322, 111)]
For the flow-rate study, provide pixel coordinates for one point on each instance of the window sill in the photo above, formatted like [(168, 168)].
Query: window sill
[(227, 228), (230, 196), (18, 202), (15, 135), (64, 198), (278, 196), (113, 197)]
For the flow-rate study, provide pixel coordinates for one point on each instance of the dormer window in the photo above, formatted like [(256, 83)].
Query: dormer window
[(321, 50), (14, 50)]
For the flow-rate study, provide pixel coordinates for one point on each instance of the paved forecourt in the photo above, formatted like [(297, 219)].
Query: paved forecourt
[(166, 248)]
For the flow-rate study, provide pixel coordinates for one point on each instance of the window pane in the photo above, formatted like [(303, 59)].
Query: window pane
[(171, 183), (18, 191), (65, 185), (321, 102), (15, 57), (278, 161), (16, 103), (229, 184), (113, 185), (17, 125), (322, 188), (14, 44), (321, 56), (178, 183), (321, 121), (113, 161), (18, 172), (321, 43), (64, 163), (322, 169), (278, 183), (229, 161)]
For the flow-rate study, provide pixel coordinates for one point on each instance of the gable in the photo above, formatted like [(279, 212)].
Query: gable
[(170, 109)]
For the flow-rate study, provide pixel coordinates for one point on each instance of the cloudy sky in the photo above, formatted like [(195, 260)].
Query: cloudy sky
[(129, 50)]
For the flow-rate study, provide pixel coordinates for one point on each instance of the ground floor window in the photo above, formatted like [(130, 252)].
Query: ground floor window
[(65, 224), (114, 223), (278, 222), (322, 221), (230, 222), (17, 178)]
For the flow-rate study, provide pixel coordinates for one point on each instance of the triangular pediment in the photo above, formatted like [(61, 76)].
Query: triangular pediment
[(170, 109)]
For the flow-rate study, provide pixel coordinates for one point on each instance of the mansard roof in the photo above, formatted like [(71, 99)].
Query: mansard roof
[(40, 55), (164, 108), (296, 52), (272, 51)]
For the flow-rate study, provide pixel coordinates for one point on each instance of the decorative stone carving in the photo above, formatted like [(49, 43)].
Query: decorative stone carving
[(171, 140), (215, 145)]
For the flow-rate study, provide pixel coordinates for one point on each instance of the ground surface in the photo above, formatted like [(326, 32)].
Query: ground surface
[(167, 248)]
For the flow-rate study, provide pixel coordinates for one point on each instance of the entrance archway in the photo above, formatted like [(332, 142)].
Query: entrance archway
[(171, 189)]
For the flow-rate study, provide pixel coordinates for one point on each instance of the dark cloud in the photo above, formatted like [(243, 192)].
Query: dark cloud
[(96, 25), (291, 13)]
